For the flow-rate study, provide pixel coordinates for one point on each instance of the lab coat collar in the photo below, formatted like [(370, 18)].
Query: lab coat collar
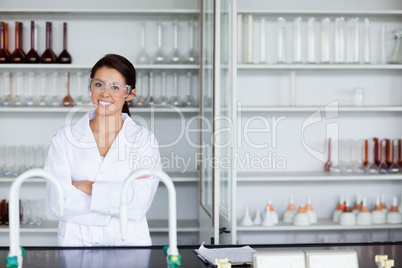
[(81, 134)]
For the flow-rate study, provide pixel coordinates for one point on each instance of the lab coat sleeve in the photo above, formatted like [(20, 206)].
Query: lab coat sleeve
[(76, 203), (141, 192)]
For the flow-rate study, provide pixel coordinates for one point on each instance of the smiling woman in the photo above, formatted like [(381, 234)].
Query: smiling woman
[(91, 158)]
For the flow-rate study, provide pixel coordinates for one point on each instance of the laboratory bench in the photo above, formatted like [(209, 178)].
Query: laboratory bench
[(153, 256)]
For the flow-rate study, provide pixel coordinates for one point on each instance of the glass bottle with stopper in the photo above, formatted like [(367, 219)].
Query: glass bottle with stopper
[(18, 90), (55, 100), (163, 100), (29, 101), (48, 55), (159, 57), (42, 102), (4, 54), (175, 99), (189, 100), (32, 55), (150, 101), (139, 99), (68, 100), (175, 57), (191, 57), (143, 57), (18, 56), (64, 56)]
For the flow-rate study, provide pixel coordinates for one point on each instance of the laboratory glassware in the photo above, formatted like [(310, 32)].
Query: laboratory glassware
[(42, 95), (339, 56), (325, 46), (4, 54), (281, 27), (64, 56), (175, 99), (48, 55), (139, 99), (191, 57), (55, 100), (29, 101), (32, 55), (311, 40), (189, 100), (175, 57), (297, 40), (18, 55), (17, 98), (150, 100), (160, 57), (68, 101), (163, 100), (143, 57)]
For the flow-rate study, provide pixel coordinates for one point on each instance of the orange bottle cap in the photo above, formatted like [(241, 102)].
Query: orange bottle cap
[(309, 207), (394, 209), (301, 210), (292, 207)]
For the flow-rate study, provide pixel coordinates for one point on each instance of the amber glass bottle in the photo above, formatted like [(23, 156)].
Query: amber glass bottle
[(4, 54), (64, 56), (48, 56), (18, 55), (32, 56)]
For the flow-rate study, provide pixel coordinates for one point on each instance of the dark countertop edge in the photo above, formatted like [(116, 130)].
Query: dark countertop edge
[(377, 243)]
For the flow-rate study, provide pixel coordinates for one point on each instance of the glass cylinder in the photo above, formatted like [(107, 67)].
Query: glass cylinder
[(394, 166), (249, 39), (281, 26), (325, 46), (239, 39), (297, 40), (311, 40), (263, 58), (366, 42), (339, 56), (396, 55), (353, 41)]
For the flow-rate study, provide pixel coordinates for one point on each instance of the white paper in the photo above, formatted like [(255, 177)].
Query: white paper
[(233, 254)]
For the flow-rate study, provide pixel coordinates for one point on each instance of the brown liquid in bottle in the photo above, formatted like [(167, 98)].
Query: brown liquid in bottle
[(64, 56), (48, 56), (32, 56), (18, 55), (4, 54)]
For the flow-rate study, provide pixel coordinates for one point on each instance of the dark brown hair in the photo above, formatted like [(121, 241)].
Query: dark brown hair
[(123, 66)]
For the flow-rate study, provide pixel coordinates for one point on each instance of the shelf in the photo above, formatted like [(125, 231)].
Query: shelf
[(319, 66), (75, 67), (312, 176), (175, 176), (322, 12), (85, 109), (100, 11), (292, 109), (155, 226), (322, 225)]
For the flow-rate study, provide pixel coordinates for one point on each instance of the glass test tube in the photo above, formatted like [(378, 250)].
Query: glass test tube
[(263, 40), (366, 55)]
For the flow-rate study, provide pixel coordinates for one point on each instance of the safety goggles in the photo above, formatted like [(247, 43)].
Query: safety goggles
[(116, 90)]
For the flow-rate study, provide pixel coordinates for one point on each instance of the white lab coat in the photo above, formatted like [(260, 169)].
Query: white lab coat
[(74, 156)]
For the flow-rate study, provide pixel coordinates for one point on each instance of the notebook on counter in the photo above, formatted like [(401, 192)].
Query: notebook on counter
[(236, 255)]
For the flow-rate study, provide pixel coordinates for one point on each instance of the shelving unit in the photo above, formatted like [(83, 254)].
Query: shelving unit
[(85, 25), (264, 95)]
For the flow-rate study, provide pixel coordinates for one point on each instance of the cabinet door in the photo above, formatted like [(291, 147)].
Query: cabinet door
[(217, 173)]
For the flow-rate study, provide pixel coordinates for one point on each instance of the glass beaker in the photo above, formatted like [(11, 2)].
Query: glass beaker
[(396, 55)]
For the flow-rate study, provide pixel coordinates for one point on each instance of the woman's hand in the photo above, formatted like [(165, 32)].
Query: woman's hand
[(85, 186)]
